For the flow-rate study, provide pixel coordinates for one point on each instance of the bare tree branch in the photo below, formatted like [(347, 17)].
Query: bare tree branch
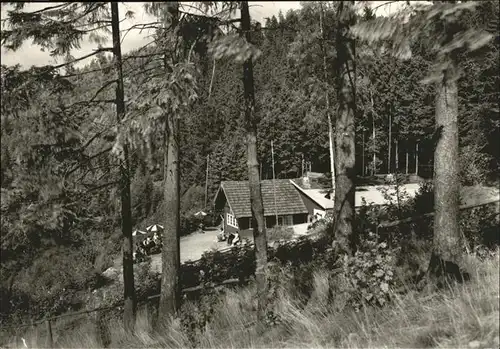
[(102, 88), (50, 8), (86, 161), (99, 50)]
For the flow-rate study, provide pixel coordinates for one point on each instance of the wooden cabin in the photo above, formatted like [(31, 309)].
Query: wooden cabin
[(232, 201)]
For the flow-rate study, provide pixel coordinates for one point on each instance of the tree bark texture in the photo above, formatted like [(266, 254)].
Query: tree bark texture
[(389, 146), (170, 292), (257, 207), (170, 257), (447, 242), (129, 309), (345, 132)]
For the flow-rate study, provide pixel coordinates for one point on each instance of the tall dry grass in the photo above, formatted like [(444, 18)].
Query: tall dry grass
[(462, 316)]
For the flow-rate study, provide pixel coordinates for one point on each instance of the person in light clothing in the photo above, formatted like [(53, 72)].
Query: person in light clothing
[(221, 236), (236, 239), (156, 238)]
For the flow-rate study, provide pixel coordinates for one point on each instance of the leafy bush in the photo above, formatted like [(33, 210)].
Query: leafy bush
[(293, 280), (474, 167), (146, 282), (423, 202), (239, 262), (367, 278), (54, 290), (370, 272), (400, 206), (321, 224), (479, 227), (195, 315), (14, 305), (369, 216), (279, 233), (189, 223)]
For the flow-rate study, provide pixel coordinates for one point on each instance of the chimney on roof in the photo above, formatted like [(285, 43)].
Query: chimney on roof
[(305, 181)]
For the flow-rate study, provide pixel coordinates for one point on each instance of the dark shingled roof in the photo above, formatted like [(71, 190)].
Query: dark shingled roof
[(288, 200)]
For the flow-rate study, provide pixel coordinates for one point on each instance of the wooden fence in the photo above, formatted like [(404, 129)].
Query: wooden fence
[(313, 240), (101, 332)]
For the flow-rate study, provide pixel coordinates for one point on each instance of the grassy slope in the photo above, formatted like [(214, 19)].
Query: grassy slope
[(472, 301), (465, 316)]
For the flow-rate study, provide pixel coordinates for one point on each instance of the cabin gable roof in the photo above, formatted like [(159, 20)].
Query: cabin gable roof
[(288, 200)]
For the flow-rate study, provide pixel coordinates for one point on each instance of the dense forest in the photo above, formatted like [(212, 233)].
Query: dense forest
[(69, 148)]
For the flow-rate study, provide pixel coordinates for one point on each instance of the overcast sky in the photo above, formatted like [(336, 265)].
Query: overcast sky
[(29, 54)]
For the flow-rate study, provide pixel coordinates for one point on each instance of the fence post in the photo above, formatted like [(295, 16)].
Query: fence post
[(34, 329), (150, 313), (50, 340), (102, 330)]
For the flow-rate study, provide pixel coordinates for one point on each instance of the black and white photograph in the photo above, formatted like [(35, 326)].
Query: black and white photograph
[(250, 174)]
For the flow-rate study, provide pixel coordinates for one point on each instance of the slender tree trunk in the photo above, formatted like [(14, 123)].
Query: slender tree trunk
[(396, 154), (332, 152), (363, 156), (328, 111), (129, 310), (406, 159), (206, 182), (389, 146), (345, 161), (258, 222), (170, 257), (446, 244), (416, 158), (374, 165)]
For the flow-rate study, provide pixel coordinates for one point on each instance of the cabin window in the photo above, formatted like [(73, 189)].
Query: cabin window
[(231, 220), (285, 220)]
